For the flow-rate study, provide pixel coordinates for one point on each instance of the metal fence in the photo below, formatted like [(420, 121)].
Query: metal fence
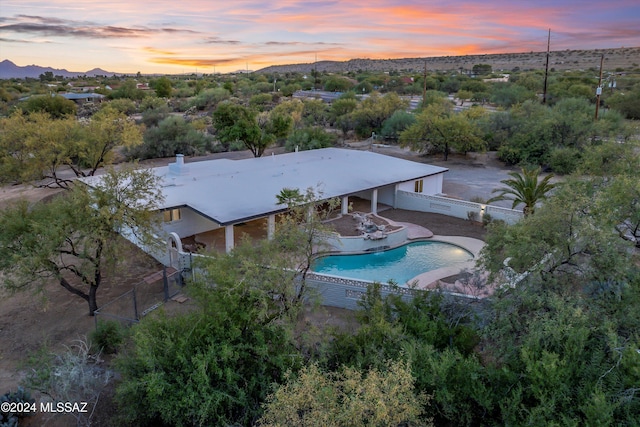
[(146, 296)]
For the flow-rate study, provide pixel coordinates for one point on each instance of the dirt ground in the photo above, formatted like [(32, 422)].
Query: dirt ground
[(439, 224), (54, 318)]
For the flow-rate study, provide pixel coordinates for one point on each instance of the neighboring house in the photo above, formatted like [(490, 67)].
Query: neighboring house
[(81, 98), (503, 79), (217, 196), (82, 87)]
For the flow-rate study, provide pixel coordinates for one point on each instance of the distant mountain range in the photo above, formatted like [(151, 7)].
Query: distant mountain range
[(9, 70), (626, 58)]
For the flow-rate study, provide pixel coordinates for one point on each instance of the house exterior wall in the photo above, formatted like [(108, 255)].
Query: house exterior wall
[(386, 195), (431, 185), (190, 223)]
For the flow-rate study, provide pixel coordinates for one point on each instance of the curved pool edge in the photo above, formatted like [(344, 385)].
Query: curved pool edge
[(427, 279)]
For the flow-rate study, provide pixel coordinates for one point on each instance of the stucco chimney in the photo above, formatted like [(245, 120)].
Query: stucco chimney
[(178, 168)]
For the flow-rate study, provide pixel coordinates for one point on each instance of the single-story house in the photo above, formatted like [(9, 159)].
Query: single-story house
[(202, 196), (205, 196)]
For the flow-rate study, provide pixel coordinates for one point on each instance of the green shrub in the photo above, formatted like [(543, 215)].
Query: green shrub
[(261, 101), (399, 121), (509, 155), (108, 336), (310, 138), (173, 135), (564, 160), (487, 219)]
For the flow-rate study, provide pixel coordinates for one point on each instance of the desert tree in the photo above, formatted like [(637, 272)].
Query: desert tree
[(394, 125), (371, 112), (34, 148), (613, 169), (278, 266), (163, 87), (56, 106), (39, 149), (71, 239), (173, 135), (564, 334), (570, 239), (376, 397), (105, 131), (234, 122), (438, 130)]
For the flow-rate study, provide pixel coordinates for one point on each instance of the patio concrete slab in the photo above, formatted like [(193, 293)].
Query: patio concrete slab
[(416, 231)]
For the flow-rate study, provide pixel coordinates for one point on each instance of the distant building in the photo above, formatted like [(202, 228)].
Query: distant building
[(82, 98)]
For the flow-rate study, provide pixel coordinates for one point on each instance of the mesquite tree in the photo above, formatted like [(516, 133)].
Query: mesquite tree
[(74, 236)]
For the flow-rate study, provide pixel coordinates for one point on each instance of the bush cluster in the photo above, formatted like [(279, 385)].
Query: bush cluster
[(20, 396)]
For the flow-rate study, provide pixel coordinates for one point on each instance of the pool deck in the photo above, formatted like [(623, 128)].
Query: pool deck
[(414, 231), (432, 279)]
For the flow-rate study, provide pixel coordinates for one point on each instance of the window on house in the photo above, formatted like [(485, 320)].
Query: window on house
[(172, 215), (418, 186)]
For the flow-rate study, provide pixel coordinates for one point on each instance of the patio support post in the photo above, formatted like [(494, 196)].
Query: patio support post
[(374, 201), (271, 226), (395, 196), (344, 207), (228, 237)]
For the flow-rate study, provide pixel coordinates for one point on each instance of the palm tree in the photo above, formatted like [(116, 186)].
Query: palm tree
[(524, 188), (290, 197)]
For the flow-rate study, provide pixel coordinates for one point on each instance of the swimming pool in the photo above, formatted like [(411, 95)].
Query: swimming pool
[(400, 264)]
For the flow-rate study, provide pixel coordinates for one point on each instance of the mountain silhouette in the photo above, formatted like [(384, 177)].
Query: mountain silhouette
[(9, 70)]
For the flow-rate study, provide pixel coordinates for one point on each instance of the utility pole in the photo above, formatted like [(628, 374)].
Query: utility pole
[(546, 70), (599, 88), (315, 72), (424, 86)]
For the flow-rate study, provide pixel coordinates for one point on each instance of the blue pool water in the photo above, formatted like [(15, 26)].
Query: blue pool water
[(400, 264)]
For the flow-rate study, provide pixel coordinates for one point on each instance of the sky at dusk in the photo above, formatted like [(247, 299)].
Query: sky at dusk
[(208, 36)]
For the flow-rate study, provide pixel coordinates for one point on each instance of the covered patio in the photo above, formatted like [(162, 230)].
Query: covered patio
[(258, 229)]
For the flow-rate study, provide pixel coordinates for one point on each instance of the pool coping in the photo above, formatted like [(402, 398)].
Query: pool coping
[(428, 279)]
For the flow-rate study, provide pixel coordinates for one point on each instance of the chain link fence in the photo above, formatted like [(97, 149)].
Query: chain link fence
[(147, 295)]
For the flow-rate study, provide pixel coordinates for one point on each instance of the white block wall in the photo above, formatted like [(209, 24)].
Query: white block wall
[(453, 207)]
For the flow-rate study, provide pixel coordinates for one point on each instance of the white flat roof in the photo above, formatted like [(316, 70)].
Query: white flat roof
[(232, 191)]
